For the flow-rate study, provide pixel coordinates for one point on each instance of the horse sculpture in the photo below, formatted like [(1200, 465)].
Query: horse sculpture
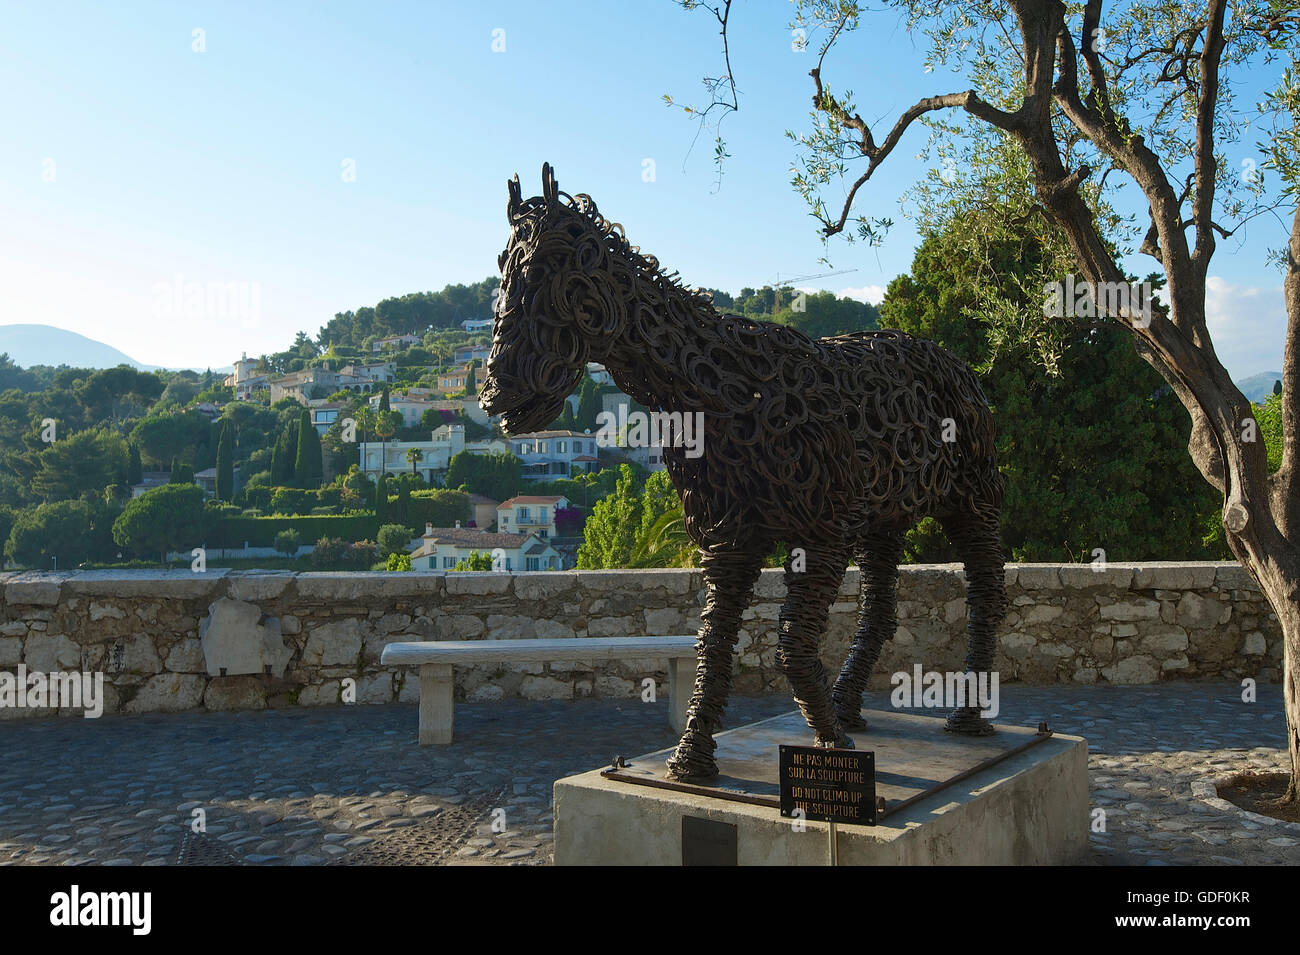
[(835, 447)]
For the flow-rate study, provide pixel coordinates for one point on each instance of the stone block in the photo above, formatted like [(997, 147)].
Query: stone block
[(1197, 612), (334, 644), (47, 653), (167, 693), (1132, 670), (478, 583), (186, 656), (1165, 641), (510, 627), (237, 637), (543, 585), (1140, 609), (235, 693), (34, 588)]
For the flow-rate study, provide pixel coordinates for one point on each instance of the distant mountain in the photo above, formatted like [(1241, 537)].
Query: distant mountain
[(1256, 388), (29, 345)]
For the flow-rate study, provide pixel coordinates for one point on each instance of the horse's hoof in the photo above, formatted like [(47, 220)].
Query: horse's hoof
[(692, 768), (967, 721), (840, 740), (693, 759)]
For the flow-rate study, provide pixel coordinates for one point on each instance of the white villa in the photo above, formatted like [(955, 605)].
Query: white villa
[(377, 457), (442, 548), (548, 455), (529, 515)]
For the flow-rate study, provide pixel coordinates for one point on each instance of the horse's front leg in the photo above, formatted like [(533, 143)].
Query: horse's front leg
[(804, 617), (729, 578)]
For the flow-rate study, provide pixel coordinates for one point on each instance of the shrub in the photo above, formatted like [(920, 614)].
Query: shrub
[(398, 562), (362, 554), (393, 539), (288, 541), (328, 551)]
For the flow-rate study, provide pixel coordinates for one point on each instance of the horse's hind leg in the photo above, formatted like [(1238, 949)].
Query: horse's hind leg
[(878, 558), (975, 539), (804, 617), (729, 577)]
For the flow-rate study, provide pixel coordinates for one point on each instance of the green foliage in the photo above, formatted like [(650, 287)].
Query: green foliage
[(162, 438), (493, 475), (439, 507), (393, 539), (611, 532), (1269, 418), (7, 517), (288, 541), (381, 499), (1093, 445), (475, 561), (588, 405), (283, 457), (334, 552), (637, 526), (180, 473), (71, 531), (307, 462), (261, 531), (84, 461), (171, 517), (398, 562), (225, 465), (134, 469)]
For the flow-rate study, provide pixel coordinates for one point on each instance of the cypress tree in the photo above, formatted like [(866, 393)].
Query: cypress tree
[(307, 462), (283, 456), (381, 500), (225, 466), (134, 470), (383, 401)]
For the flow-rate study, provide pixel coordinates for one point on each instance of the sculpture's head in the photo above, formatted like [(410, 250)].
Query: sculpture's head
[(562, 302)]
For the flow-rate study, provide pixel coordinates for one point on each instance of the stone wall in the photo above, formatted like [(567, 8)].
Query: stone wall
[(162, 638)]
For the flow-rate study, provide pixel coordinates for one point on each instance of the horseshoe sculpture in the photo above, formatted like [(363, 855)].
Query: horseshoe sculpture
[(835, 446)]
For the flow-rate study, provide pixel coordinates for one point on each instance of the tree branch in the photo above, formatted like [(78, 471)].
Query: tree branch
[(1205, 165), (823, 101)]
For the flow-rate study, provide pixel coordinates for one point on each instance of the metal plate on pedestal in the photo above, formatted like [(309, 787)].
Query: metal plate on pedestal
[(707, 842), (914, 758)]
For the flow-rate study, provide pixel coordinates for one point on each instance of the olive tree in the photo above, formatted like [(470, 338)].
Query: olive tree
[(1089, 95)]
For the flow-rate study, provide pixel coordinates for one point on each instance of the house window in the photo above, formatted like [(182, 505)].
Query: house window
[(532, 563), (523, 515), (541, 447), (505, 520), (560, 447)]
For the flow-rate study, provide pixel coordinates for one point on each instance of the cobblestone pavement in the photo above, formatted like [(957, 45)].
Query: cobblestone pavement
[(348, 785)]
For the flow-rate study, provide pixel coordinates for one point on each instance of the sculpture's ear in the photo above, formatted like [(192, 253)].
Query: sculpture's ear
[(550, 188), (516, 197)]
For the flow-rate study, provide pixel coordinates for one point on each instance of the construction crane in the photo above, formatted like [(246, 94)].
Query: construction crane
[(776, 307)]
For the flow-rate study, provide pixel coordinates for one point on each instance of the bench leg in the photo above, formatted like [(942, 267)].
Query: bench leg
[(681, 683), (436, 687)]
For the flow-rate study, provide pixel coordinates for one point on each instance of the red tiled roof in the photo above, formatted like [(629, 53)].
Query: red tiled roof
[(528, 499)]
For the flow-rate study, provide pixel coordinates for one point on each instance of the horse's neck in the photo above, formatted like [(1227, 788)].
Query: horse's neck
[(655, 372)]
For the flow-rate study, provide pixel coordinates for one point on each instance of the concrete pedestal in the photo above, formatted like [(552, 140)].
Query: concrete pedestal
[(1030, 808)]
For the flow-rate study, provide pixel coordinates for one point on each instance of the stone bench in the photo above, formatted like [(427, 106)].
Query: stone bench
[(436, 659)]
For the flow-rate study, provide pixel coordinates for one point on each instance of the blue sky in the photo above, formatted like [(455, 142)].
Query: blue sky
[(132, 165)]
